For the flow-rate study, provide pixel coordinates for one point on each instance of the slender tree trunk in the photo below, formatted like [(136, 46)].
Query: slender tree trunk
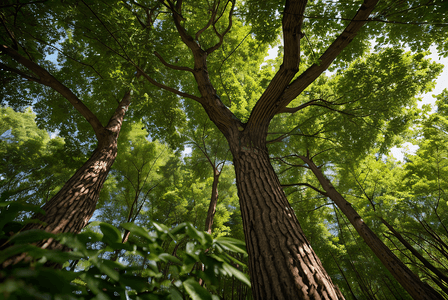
[(282, 263), (213, 201), (414, 252), (408, 280), (345, 278), (73, 206)]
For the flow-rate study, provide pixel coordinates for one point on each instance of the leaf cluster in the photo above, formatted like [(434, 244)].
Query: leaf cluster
[(108, 279)]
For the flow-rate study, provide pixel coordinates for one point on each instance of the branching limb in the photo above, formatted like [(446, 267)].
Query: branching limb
[(167, 88), (210, 21), (290, 133), (22, 74), (47, 79), (282, 159), (267, 105), (151, 14), (307, 185), (170, 65), (320, 152), (177, 17), (292, 110), (221, 36), (342, 41), (220, 115), (204, 151), (13, 38), (10, 33), (320, 206)]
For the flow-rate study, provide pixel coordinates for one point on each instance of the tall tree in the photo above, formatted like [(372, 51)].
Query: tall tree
[(282, 263), (278, 249), (72, 207), (410, 282)]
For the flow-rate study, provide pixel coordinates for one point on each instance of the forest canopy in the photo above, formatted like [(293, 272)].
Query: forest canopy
[(151, 150)]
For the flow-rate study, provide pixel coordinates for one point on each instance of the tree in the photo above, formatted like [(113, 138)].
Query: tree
[(213, 151), (274, 238), (71, 208), (277, 247)]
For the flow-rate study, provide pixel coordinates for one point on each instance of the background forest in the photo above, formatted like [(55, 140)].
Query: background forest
[(151, 150)]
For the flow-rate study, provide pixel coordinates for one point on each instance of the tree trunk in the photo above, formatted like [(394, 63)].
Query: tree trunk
[(414, 252), (282, 263), (73, 206), (408, 280), (213, 201)]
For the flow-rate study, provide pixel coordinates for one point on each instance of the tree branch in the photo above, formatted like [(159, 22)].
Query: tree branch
[(116, 120), (22, 74), (47, 79), (221, 36), (172, 66), (167, 88), (292, 21), (307, 185), (292, 110), (342, 41), (220, 115), (210, 21)]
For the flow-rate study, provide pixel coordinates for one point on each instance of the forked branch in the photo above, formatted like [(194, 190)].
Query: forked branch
[(342, 41), (167, 88), (170, 65), (307, 185), (221, 35)]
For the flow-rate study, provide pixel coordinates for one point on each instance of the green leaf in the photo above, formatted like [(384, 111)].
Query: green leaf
[(195, 290), (30, 236), (237, 273), (175, 294), (111, 234), (202, 237), (231, 244), (138, 231), (13, 208)]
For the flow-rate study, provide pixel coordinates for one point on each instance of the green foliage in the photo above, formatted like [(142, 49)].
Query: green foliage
[(159, 276), (365, 107), (33, 166)]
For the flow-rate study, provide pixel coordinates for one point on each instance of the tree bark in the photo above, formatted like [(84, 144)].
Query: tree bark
[(213, 201), (72, 207), (282, 263), (408, 280)]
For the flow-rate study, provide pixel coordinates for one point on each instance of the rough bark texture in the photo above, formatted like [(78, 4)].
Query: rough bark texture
[(282, 263), (213, 201), (408, 280), (73, 206)]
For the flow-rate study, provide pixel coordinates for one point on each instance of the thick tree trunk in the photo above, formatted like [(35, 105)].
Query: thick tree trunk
[(282, 263), (213, 201), (72, 207), (408, 280)]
